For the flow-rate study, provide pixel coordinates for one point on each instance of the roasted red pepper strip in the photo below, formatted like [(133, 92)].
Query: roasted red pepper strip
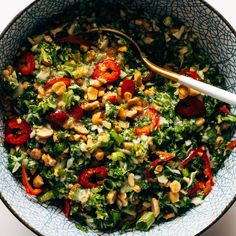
[(146, 130), (28, 187), (58, 117), (107, 69), (74, 39), (199, 152), (128, 86), (17, 132), (26, 63), (51, 82), (67, 205), (77, 112), (191, 107), (224, 109), (97, 172), (231, 145), (198, 186), (162, 157), (112, 99), (192, 73)]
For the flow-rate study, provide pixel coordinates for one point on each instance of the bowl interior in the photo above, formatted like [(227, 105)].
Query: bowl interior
[(217, 38)]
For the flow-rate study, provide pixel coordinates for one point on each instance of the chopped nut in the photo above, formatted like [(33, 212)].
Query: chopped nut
[(174, 197), (96, 118), (169, 216), (80, 129), (128, 145), (106, 124), (131, 181), (84, 48), (111, 197), (158, 169), (122, 13), (101, 93), (200, 121), (99, 154), (155, 107), (117, 128), (25, 85), (138, 80), (95, 83), (74, 137), (48, 38), (123, 49), (122, 113), (35, 153), (92, 94), (59, 88), (122, 200), (175, 186), (183, 92), (134, 102), (91, 106), (44, 133), (219, 141), (155, 207), (131, 114), (193, 92), (68, 124), (61, 104), (150, 91), (148, 40), (48, 160), (38, 181), (147, 204), (127, 96), (137, 188), (138, 22)]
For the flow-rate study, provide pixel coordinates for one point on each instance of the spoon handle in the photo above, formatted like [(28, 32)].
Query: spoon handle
[(202, 87), (208, 89)]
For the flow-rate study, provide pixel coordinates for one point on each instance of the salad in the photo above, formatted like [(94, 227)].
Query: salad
[(91, 130)]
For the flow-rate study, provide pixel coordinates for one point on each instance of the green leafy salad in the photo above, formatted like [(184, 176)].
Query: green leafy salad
[(90, 129)]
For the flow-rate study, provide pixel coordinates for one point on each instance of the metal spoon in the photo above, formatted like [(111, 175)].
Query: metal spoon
[(202, 87)]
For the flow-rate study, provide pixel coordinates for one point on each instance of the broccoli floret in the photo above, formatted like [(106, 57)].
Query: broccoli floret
[(57, 149)]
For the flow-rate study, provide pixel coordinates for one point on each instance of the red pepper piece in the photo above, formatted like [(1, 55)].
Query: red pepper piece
[(128, 86), (198, 186), (146, 130), (231, 145), (58, 117), (26, 63), (112, 99), (191, 107), (224, 109), (192, 73), (199, 152), (87, 174), (17, 132), (67, 205), (162, 157), (77, 112), (107, 69), (74, 39), (28, 187), (51, 82)]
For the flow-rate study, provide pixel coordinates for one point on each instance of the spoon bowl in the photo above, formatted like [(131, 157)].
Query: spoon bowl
[(200, 86)]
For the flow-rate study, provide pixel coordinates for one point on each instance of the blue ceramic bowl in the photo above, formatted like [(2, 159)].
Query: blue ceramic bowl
[(216, 36)]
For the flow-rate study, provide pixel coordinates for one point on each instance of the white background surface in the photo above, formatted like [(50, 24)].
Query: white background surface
[(10, 226)]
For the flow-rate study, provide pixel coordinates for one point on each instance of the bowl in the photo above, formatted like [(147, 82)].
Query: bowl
[(216, 36)]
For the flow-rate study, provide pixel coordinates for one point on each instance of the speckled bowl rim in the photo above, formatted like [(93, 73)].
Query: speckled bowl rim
[(28, 225)]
